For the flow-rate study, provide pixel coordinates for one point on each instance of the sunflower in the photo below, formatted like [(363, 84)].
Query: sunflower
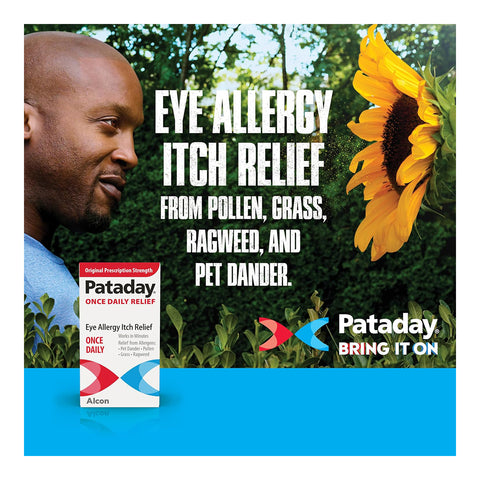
[(397, 167)]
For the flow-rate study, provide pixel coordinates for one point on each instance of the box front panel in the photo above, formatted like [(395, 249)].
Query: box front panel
[(119, 334)]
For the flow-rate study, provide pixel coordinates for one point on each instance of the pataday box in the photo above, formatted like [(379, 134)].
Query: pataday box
[(119, 334)]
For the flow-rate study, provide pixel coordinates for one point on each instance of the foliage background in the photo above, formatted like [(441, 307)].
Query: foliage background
[(258, 57)]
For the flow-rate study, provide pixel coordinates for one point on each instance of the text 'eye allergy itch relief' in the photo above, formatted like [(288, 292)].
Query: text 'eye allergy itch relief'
[(119, 334)]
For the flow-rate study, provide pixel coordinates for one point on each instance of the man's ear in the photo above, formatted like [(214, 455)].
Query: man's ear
[(29, 121)]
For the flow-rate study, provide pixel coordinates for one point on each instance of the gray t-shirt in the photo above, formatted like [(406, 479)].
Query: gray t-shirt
[(44, 272)]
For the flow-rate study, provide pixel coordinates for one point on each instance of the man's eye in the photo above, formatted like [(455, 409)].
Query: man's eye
[(112, 122)]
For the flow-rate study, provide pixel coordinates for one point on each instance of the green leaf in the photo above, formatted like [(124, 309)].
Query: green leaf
[(212, 357), (272, 362), (164, 361), (427, 73), (175, 317), (443, 352), (444, 331), (232, 339), (185, 355), (26, 307), (445, 314), (42, 321), (28, 320), (44, 298), (230, 322), (59, 340), (317, 302), (228, 359), (448, 145), (441, 302), (312, 314), (251, 338), (54, 331), (292, 316), (445, 104), (452, 118), (44, 352), (309, 362), (48, 305), (414, 310), (428, 315), (28, 345), (172, 350), (76, 307), (198, 353), (248, 359), (38, 306), (75, 336), (264, 335), (72, 352), (27, 361), (222, 335)]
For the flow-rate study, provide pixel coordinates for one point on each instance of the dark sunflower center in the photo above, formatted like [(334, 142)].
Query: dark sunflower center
[(402, 120)]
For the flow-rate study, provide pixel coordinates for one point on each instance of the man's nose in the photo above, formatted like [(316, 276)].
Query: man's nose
[(125, 154)]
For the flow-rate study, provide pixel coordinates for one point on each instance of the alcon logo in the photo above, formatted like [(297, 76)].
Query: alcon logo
[(307, 334)]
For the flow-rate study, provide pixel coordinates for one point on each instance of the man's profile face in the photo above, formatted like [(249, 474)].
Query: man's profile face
[(84, 145)]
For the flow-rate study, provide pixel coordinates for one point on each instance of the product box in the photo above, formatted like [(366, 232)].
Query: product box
[(119, 334)]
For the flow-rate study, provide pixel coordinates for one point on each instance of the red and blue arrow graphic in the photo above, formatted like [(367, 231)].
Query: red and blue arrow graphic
[(281, 334), (133, 378)]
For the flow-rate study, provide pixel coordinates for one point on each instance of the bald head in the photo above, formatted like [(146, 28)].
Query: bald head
[(53, 61)]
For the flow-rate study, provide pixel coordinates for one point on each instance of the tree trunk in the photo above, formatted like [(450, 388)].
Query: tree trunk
[(186, 55), (283, 52)]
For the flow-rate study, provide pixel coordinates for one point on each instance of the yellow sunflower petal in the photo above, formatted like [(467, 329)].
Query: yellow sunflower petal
[(423, 143), (375, 186), (377, 252), (374, 115), (378, 45), (368, 65), (370, 54), (376, 210), (368, 131), (429, 113), (372, 171), (426, 110), (403, 76), (393, 241), (412, 168), (374, 90), (387, 235), (409, 205), (367, 155)]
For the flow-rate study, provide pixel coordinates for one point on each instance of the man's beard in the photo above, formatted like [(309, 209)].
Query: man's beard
[(93, 221)]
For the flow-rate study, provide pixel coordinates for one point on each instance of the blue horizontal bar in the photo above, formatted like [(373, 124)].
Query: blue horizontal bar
[(288, 412)]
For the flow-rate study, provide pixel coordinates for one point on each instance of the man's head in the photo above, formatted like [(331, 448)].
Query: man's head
[(82, 104)]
